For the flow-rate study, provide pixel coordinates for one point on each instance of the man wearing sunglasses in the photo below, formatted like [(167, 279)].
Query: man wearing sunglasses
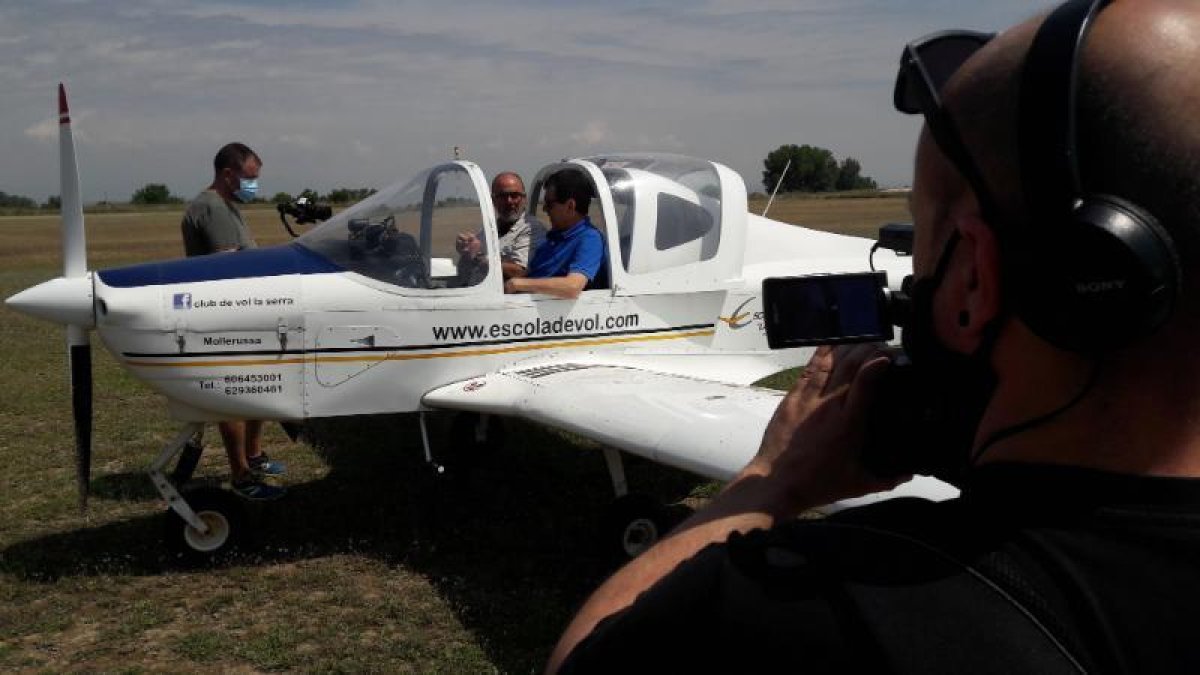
[(572, 258), (1075, 543), (518, 234)]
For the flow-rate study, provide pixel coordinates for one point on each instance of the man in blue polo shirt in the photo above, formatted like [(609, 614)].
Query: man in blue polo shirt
[(571, 258)]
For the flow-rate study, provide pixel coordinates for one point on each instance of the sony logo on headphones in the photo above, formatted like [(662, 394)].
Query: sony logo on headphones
[(1086, 287)]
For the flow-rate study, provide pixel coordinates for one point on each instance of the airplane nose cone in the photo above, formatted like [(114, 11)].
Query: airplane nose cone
[(63, 300)]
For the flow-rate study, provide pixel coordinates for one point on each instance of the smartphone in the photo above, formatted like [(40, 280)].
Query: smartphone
[(823, 309)]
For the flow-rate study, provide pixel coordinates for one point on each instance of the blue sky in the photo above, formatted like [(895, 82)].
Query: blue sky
[(364, 93)]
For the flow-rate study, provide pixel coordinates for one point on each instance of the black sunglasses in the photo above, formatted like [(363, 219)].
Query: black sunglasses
[(925, 66)]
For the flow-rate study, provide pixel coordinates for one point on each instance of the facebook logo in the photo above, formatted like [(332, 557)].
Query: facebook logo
[(183, 301)]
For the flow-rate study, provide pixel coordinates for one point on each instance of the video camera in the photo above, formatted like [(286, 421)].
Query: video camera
[(909, 419), (303, 211), (823, 309)]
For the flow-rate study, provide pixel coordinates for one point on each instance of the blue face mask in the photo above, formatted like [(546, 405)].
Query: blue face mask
[(247, 189)]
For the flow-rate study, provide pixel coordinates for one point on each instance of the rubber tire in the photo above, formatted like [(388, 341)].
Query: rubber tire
[(632, 524), (225, 514)]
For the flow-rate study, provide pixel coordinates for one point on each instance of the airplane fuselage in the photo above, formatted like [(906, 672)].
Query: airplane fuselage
[(310, 342)]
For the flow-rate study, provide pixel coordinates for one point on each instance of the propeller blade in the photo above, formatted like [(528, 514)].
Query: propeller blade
[(73, 240), (79, 355)]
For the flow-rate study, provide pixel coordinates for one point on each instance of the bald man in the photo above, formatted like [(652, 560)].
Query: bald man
[(518, 234), (1076, 542)]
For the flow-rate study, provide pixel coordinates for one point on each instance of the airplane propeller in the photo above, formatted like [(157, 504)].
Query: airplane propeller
[(79, 353)]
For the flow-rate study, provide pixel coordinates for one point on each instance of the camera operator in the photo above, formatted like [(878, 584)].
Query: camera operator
[(1076, 541), (213, 224)]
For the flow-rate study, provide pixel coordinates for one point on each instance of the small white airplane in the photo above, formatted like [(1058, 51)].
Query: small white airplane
[(366, 313)]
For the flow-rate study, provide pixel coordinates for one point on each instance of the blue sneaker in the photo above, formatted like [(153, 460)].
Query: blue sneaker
[(265, 466), (257, 491)]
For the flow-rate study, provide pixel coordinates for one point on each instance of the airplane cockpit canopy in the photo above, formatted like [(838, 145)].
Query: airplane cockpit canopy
[(668, 208), (666, 219), (404, 235)]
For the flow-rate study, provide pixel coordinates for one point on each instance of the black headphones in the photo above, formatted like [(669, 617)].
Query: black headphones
[(1092, 272)]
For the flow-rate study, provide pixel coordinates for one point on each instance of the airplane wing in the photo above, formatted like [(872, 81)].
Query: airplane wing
[(705, 427), (709, 428)]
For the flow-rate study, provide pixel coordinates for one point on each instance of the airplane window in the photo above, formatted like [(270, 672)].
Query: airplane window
[(668, 209), (680, 221), (623, 196), (455, 211), (404, 235)]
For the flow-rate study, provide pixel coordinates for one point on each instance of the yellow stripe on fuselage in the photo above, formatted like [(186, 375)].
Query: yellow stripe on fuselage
[(397, 356)]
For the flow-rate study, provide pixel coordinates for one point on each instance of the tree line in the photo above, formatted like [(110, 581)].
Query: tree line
[(159, 193), (8, 201), (339, 196), (156, 193), (812, 169)]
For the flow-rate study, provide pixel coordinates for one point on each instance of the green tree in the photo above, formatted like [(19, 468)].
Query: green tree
[(16, 201), (349, 195), (812, 169), (281, 198), (53, 203), (153, 193), (850, 178)]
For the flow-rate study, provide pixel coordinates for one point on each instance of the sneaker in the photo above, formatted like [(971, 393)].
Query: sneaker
[(257, 491), (265, 466)]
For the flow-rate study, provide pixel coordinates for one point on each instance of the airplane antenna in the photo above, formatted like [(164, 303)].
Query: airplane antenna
[(457, 152), (777, 184)]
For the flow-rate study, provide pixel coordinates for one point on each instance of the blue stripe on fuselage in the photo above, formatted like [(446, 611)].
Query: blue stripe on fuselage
[(254, 262)]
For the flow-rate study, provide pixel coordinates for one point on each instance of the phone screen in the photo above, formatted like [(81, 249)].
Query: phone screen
[(821, 309)]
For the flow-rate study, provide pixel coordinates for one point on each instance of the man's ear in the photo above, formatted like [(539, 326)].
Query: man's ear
[(981, 294)]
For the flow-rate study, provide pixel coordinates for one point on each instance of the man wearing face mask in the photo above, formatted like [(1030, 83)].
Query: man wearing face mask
[(212, 224), (1057, 267)]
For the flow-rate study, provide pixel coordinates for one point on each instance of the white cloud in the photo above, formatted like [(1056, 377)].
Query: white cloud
[(299, 140), (361, 93), (595, 133), (45, 130)]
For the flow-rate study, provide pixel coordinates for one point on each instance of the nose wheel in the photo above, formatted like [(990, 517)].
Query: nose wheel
[(633, 524), (223, 516)]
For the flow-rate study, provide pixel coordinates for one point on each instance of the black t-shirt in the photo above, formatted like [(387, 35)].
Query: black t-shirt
[(1034, 568)]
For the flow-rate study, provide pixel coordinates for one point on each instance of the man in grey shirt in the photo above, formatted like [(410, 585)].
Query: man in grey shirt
[(213, 224), (518, 234)]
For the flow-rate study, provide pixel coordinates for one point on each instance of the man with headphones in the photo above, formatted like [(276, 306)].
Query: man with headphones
[(1056, 204)]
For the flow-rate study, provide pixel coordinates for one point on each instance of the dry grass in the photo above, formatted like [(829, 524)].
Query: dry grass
[(859, 216), (370, 564)]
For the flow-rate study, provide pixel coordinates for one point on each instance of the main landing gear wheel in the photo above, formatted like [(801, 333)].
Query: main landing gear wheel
[(471, 439), (633, 524), (223, 513)]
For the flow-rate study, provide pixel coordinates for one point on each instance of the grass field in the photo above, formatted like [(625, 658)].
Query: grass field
[(370, 563)]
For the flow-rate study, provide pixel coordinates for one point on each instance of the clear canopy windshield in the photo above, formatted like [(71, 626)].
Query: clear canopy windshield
[(668, 208), (405, 234), (691, 172)]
